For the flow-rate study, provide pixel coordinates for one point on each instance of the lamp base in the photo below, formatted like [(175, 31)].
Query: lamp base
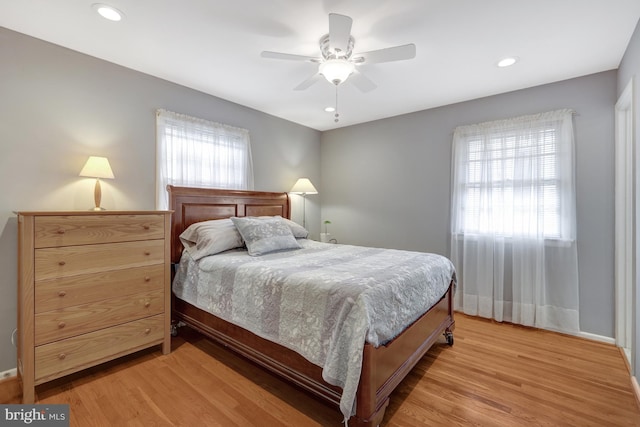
[(97, 196)]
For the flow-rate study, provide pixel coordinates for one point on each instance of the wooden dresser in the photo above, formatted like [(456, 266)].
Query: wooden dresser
[(92, 286)]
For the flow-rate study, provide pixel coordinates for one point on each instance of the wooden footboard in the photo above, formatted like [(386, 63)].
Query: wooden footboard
[(384, 367)]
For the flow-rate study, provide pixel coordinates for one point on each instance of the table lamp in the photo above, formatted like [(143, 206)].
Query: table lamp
[(97, 167)]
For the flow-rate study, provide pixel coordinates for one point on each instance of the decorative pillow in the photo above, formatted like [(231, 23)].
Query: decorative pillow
[(264, 235), (210, 237), (299, 232)]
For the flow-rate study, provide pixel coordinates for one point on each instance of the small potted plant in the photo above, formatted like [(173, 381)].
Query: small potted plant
[(325, 237)]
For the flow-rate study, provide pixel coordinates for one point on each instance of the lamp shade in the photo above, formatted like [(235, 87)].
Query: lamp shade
[(303, 186), (97, 167)]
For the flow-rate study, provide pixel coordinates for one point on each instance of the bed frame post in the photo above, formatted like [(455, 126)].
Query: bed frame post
[(369, 412)]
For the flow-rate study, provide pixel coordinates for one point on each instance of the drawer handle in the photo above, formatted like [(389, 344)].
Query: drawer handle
[(62, 293), (62, 356), (61, 263), (147, 303), (147, 331), (147, 252), (61, 325), (60, 231), (147, 278), (146, 227)]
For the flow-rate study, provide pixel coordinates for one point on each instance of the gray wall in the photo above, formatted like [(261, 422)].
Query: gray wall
[(387, 183), (57, 107), (630, 69)]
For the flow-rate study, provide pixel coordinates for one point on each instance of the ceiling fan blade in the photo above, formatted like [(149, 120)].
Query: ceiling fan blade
[(309, 82), (339, 32), (288, 56), (361, 81), (397, 53)]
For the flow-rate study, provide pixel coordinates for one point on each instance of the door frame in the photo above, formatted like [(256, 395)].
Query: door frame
[(625, 239)]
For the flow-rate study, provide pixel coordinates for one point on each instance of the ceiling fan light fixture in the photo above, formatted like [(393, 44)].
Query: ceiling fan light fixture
[(336, 71)]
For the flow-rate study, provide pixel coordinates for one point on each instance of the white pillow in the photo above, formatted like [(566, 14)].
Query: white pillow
[(210, 237), (299, 232), (265, 235)]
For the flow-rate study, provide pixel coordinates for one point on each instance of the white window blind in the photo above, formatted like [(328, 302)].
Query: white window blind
[(511, 178), (199, 153)]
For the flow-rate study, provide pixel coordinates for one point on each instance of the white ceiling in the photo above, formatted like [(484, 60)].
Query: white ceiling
[(214, 46)]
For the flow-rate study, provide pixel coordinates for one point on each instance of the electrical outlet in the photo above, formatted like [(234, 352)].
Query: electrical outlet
[(8, 374)]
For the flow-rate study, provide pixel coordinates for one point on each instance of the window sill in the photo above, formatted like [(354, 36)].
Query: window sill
[(549, 241)]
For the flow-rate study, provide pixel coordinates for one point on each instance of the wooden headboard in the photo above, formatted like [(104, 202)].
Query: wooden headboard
[(192, 205)]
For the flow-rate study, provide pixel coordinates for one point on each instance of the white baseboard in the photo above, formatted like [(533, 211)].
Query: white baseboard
[(587, 336), (8, 374), (595, 337)]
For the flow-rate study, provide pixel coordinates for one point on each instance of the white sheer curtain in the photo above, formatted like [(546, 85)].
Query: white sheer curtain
[(513, 221), (199, 153)]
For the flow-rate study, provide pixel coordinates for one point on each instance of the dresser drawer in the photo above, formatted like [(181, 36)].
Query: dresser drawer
[(72, 260), (72, 354), (79, 319), (61, 292), (53, 231)]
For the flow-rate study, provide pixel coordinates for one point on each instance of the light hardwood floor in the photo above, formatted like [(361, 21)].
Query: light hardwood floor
[(494, 375)]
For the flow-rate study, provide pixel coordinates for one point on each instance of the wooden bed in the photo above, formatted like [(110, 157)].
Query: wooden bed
[(383, 368)]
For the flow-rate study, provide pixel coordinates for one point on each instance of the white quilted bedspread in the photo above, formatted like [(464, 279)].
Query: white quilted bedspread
[(322, 301)]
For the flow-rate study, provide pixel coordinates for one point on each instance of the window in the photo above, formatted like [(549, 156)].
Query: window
[(513, 221), (199, 153), (514, 177)]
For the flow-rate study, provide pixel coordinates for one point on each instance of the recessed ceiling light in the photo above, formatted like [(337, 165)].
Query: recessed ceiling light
[(507, 62), (108, 12), (330, 109)]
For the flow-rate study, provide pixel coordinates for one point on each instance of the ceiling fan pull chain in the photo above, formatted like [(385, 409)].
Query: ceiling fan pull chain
[(336, 115)]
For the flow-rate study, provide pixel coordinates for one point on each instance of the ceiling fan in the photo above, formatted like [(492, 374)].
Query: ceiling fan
[(338, 62)]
